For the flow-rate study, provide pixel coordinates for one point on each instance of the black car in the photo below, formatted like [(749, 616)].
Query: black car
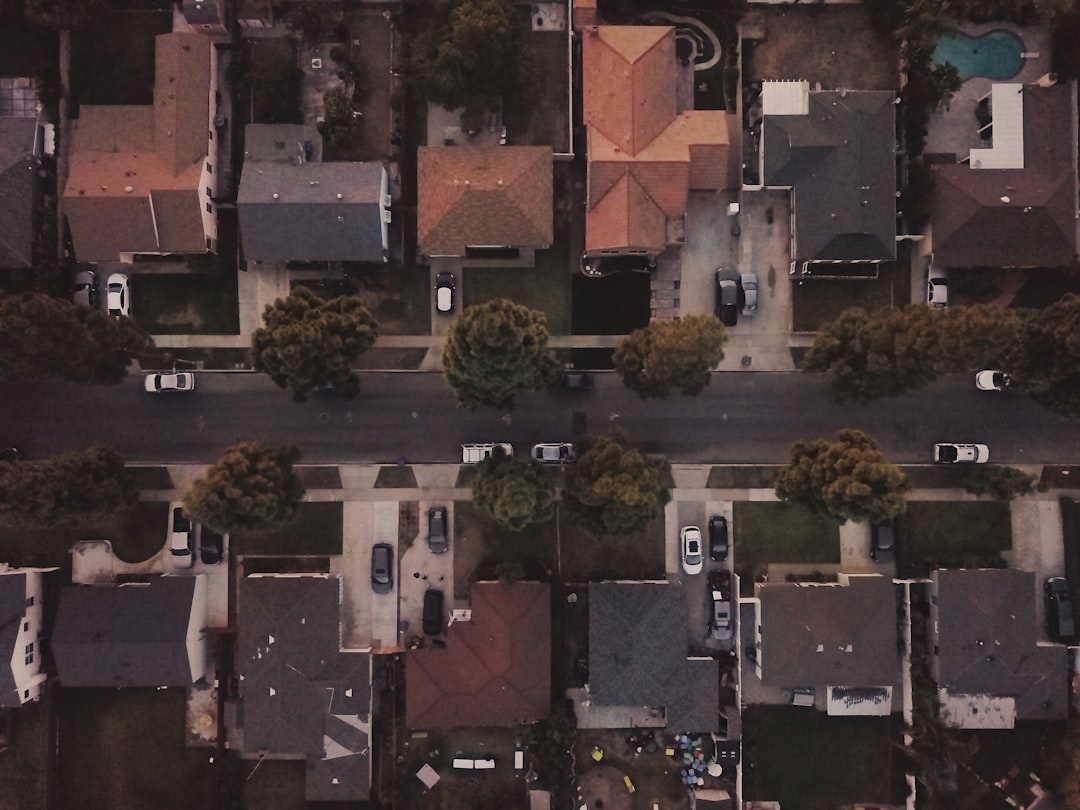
[(577, 381), (1059, 608), (211, 546), (436, 527), (600, 266), (382, 568), (433, 612), (882, 542), (720, 581), (727, 299), (10, 454), (718, 538)]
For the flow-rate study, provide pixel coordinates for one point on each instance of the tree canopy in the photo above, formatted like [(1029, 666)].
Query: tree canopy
[(847, 478), (308, 342), (668, 355), (614, 490), (514, 493), (495, 351), (251, 488), (42, 337), (1045, 359), (64, 489)]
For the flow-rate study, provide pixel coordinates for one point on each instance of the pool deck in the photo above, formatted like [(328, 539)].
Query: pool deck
[(954, 129)]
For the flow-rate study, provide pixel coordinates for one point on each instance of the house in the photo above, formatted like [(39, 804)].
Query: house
[(140, 180), (21, 149), (22, 593), (1012, 203), (835, 151), (639, 661), (206, 16), (301, 695), (293, 207), (990, 670), (837, 638), (484, 201), (148, 633), (495, 668), (645, 153)]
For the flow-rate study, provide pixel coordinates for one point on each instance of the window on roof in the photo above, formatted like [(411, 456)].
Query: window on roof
[(209, 168), (29, 648), (209, 208), (209, 192), (29, 601), (29, 659), (26, 627)]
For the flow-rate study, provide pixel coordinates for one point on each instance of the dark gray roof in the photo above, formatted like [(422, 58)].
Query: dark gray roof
[(829, 635), (18, 187), (281, 143), (203, 12), (322, 212), (131, 635), (838, 160), (986, 641), (301, 694), (638, 644), (12, 611)]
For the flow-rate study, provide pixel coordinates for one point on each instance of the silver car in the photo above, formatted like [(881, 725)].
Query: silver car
[(749, 285)]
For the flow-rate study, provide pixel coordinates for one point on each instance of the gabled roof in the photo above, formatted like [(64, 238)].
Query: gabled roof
[(1014, 217), (129, 635), (493, 196), (829, 635), (18, 181), (638, 642), (12, 610), (301, 694), (838, 159), (985, 640), (495, 670)]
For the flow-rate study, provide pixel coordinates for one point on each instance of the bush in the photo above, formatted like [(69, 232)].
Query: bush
[(1000, 483)]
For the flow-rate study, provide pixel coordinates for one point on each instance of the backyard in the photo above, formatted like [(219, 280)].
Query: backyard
[(112, 59), (780, 533), (961, 534), (540, 115), (316, 531), (655, 775)]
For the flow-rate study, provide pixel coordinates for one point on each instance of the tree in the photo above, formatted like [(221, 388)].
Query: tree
[(514, 494), (671, 354), (42, 337), (1045, 360), (64, 489), (848, 478), (472, 51), (495, 351), (615, 490), (63, 14), (1000, 483), (308, 342), (339, 125), (251, 488)]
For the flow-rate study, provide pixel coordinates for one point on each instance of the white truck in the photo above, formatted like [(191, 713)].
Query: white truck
[(477, 452)]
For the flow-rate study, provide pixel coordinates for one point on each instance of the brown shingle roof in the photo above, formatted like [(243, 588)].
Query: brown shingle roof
[(476, 195), (181, 99), (494, 671)]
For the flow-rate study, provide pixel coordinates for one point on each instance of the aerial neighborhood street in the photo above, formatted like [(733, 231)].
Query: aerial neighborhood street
[(488, 405)]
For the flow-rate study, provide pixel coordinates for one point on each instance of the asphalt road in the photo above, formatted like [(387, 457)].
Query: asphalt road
[(742, 417)]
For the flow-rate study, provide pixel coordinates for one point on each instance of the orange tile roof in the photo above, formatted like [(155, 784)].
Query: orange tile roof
[(483, 195), (625, 217)]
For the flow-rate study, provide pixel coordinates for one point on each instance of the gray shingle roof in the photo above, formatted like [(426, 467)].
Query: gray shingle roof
[(638, 645), (839, 161), (12, 610), (18, 186), (131, 635)]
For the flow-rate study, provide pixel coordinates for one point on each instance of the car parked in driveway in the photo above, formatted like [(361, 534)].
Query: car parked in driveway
[(727, 299), (718, 538), (118, 295), (748, 293), (180, 539), (951, 453), (992, 380), (1059, 608), (719, 583), (382, 568), (445, 288), (436, 534), (937, 287), (577, 381), (211, 546), (84, 288), (600, 266), (433, 612), (554, 453), (693, 561), (168, 381), (883, 541)]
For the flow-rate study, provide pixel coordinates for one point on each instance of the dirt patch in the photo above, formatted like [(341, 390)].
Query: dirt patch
[(395, 478), (408, 524), (654, 775)]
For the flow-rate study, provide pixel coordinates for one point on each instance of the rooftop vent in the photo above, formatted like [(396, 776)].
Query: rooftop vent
[(275, 195), (128, 189)]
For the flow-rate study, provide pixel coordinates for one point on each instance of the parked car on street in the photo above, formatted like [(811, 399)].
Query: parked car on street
[(949, 453), (727, 299), (382, 568), (433, 612), (445, 288), (1059, 608), (991, 380), (436, 523), (748, 287), (476, 452), (211, 546), (718, 538), (167, 381), (118, 296), (882, 541), (180, 539), (692, 559), (554, 453)]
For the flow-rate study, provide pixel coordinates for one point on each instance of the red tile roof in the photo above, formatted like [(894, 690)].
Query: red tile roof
[(494, 671)]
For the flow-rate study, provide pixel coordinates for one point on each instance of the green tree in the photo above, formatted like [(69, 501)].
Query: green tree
[(339, 125), (308, 342), (495, 351), (63, 14), (65, 489), (668, 355), (251, 488), (1045, 360), (472, 51), (514, 494), (847, 478), (1000, 483), (42, 337), (614, 490)]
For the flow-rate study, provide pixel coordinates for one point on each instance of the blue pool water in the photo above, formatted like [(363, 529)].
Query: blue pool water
[(994, 55)]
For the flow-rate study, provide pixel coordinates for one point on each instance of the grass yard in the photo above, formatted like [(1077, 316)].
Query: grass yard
[(480, 545), (186, 304), (273, 784), (806, 760), (539, 115), (125, 748), (774, 532), (545, 287), (398, 297), (316, 531), (614, 305), (743, 477), (818, 301), (960, 534), (586, 558), (25, 765), (112, 59)]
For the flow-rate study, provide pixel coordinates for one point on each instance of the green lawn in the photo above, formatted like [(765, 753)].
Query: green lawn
[(746, 476), (480, 545), (819, 301), (186, 304), (273, 784), (112, 59), (953, 534), (774, 532), (316, 531), (807, 760), (545, 287)]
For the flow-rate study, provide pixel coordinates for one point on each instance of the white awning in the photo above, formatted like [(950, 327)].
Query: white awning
[(785, 98), (1007, 109)]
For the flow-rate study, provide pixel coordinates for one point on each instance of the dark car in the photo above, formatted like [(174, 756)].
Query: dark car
[(436, 529), (211, 546), (1059, 608), (382, 568), (727, 299), (433, 612), (718, 538), (10, 454), (577, 381), (882, 542), (719, 583)]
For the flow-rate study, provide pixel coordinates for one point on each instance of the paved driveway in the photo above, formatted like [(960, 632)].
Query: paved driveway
[(370, 619), (1038, 546), (421, 570)]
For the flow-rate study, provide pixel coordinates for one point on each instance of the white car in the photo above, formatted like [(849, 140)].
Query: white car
[(555, 453), (444, 293), (181, 542), (937, 286), (477, 452), (949, 453), (693, 560), (749, 285), (165, 381), (991, 380), (118, 296)]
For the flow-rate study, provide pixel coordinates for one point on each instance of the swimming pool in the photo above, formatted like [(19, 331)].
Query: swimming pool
[(993, 55)]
